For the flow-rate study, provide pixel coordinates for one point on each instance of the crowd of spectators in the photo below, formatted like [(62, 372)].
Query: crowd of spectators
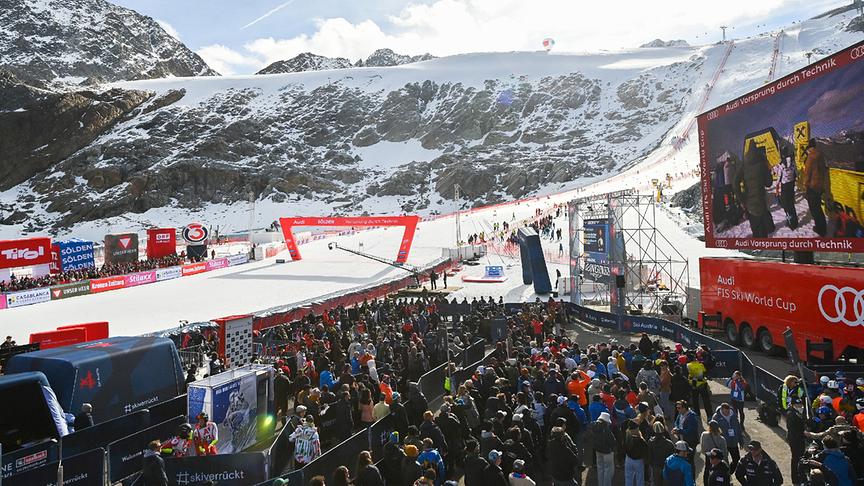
[(27, 282)]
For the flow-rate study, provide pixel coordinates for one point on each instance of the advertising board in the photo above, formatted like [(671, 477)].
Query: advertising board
[(140, 278), (194, 268), (75, 255), (73, 289), (25, 252), (783, 166), (28, 297), (121, 248), (238, 259), (169, 273), (108, 283), (596, 250), (161, 242), (216, 264)]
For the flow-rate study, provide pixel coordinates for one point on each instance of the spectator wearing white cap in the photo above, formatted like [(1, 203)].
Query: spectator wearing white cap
[(603, 445), (677, 470)]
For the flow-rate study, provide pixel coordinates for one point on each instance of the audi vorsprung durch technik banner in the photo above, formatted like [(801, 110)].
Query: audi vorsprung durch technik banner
[(783, 166)]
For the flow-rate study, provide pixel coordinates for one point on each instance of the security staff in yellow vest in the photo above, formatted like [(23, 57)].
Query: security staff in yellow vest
[(791, 387), (698, 375)]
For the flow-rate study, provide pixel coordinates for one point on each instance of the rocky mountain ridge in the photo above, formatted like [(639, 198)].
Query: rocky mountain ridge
[(89, 40), (308, 61)]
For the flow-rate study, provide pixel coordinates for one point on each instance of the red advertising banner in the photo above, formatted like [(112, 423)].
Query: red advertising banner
[(783, 166), (193, 268), (94, 330), (56, 265), (140, 278), (2, 301), (161, 242), (107, 283), (409, 222), (59, 338), (25, 252)]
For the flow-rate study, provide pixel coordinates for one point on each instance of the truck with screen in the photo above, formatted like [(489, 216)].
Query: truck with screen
[(757, 300)]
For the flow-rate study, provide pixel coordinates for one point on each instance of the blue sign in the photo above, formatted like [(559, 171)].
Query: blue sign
[(76, 254), (597, 240), (494, 271)]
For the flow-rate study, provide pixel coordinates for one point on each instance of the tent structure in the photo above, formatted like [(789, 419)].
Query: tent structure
[(117, 375)]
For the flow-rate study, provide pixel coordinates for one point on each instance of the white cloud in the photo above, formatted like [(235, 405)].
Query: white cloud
[(446, 27), (227, 61), (169, 29)]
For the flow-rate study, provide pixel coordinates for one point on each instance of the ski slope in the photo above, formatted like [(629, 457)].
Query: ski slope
[(263, 285)]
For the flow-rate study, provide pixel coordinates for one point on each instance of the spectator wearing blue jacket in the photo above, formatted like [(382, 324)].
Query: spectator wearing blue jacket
[(730, 426), (835, 461), (326, 378), (578, 411), (596, 408), (430, 458), (677, 470), (686, 424)]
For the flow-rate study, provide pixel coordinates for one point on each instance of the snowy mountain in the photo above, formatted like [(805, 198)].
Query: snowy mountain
[(76, 40), (662, 43), (306, 62), (386, 57), (385, 140), (313, 62)]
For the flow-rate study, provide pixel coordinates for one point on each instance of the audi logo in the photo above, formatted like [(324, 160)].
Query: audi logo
[(857, 53), (841, 310)]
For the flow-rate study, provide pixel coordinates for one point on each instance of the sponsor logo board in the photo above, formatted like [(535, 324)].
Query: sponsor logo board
[(238, 259), (196, 233), (28, 297), (216, 264), (25, 252), (169, 273), (140, 278), (73, 289), (194, 269), (107, 283)]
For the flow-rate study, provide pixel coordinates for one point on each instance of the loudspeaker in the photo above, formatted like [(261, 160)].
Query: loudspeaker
[(619, 281)]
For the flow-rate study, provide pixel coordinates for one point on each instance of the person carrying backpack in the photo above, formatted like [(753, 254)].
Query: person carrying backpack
[(677, 470)]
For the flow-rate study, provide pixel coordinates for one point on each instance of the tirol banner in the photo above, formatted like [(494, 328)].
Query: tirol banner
[(75, 254), (121, 248), (25, 252), (783, 165), (82, 470), (161, 242), (222, 469), (409, 222)]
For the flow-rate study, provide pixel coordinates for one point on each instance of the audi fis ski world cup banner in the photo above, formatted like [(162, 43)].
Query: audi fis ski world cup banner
[(816, 301), (409, 222), (25, 252), (121, 248), (783, 166), (75, 254), (161, 242)]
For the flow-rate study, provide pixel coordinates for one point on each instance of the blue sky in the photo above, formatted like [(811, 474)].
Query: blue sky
[(220, 30)]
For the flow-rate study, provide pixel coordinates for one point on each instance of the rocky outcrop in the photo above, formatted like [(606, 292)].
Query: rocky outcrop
[(91, 40), (306, 62), (40, 127), (662, 43), (690, 200), (386, 58)]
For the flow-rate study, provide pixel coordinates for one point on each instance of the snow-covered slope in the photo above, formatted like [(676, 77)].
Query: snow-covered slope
[(74, 40), (384, 140)]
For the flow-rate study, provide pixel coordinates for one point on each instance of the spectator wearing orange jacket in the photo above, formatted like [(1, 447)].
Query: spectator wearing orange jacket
[(577, 384)]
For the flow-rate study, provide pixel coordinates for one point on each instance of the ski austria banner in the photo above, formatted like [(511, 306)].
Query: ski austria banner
[(409, 222), (75, 254), (783, 166), (25, 252), (161, 242), (121, 248)]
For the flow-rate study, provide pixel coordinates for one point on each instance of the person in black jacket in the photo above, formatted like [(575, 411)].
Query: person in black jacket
[(392, 463), (84, 419), (453, 436), (474, 464), (563, 457), (660, 446), (428, 429), (716, 471), (367, 473), (399, 415), (757, 468), (493, 475), (603, 442), (795, 427), (153, 470)]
